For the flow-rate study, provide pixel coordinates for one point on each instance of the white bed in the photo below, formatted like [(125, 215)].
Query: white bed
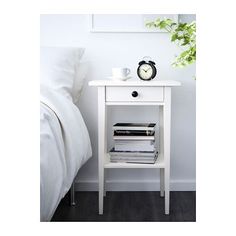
[(64, 139)]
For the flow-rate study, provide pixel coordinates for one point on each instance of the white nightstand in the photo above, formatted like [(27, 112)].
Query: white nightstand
[(150, 93)]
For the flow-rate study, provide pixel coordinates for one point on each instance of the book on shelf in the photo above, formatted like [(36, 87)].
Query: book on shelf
[(134, 145), (134, 126), (134, 132)]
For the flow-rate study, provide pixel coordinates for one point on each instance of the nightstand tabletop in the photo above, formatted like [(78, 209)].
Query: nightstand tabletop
[(161, 83)]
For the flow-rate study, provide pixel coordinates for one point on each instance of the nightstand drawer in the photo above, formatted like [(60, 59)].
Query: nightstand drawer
[(134, 94)]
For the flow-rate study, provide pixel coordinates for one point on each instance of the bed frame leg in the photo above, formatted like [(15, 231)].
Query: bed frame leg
[(72, 194)]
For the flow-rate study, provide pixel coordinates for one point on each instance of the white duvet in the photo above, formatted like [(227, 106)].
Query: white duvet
[(64, 148)]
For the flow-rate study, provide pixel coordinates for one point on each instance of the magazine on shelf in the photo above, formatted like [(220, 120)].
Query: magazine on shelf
[(124, 137), (135, 162), (134, 126), (132, 158), (148, 160), (134, 145), (113, 152)]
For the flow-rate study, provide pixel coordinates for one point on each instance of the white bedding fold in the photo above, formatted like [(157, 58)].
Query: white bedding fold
[(65, 147)]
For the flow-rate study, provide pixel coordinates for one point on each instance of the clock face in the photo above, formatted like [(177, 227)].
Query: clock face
[(145, 71)]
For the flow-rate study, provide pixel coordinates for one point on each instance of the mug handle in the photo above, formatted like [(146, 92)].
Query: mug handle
[(128, 71)]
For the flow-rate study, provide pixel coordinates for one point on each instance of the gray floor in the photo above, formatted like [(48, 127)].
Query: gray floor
[(128, 206)]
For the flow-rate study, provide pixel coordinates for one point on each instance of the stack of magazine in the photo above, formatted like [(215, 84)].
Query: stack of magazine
[(134, 143)]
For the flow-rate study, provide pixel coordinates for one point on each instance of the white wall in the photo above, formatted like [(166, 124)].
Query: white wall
[(107, 50)]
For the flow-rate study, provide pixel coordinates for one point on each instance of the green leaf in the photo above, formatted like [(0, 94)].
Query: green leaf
[(168, 21), (183, 54), (185, 43), (162, 24), (174, 37)]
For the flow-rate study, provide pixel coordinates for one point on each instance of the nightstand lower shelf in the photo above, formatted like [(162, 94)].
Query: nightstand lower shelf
[(158, 164)]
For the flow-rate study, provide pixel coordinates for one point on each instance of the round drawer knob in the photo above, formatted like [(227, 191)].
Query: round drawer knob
[(134, 94)]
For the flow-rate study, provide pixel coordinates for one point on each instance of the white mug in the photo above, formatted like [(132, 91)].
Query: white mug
[(120, 73)]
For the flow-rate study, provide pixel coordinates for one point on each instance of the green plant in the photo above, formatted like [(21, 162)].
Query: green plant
[(184, 35)]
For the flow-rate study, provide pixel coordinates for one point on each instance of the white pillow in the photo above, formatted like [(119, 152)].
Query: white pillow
[(61, 70)]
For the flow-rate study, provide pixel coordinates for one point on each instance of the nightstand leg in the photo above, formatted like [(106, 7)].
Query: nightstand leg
[(102, 144), (166, 128), (161, 149), (101, 189), (162, 188), (167, 192)]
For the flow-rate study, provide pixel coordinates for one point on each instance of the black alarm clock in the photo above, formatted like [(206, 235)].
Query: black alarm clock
[(146, 69)]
